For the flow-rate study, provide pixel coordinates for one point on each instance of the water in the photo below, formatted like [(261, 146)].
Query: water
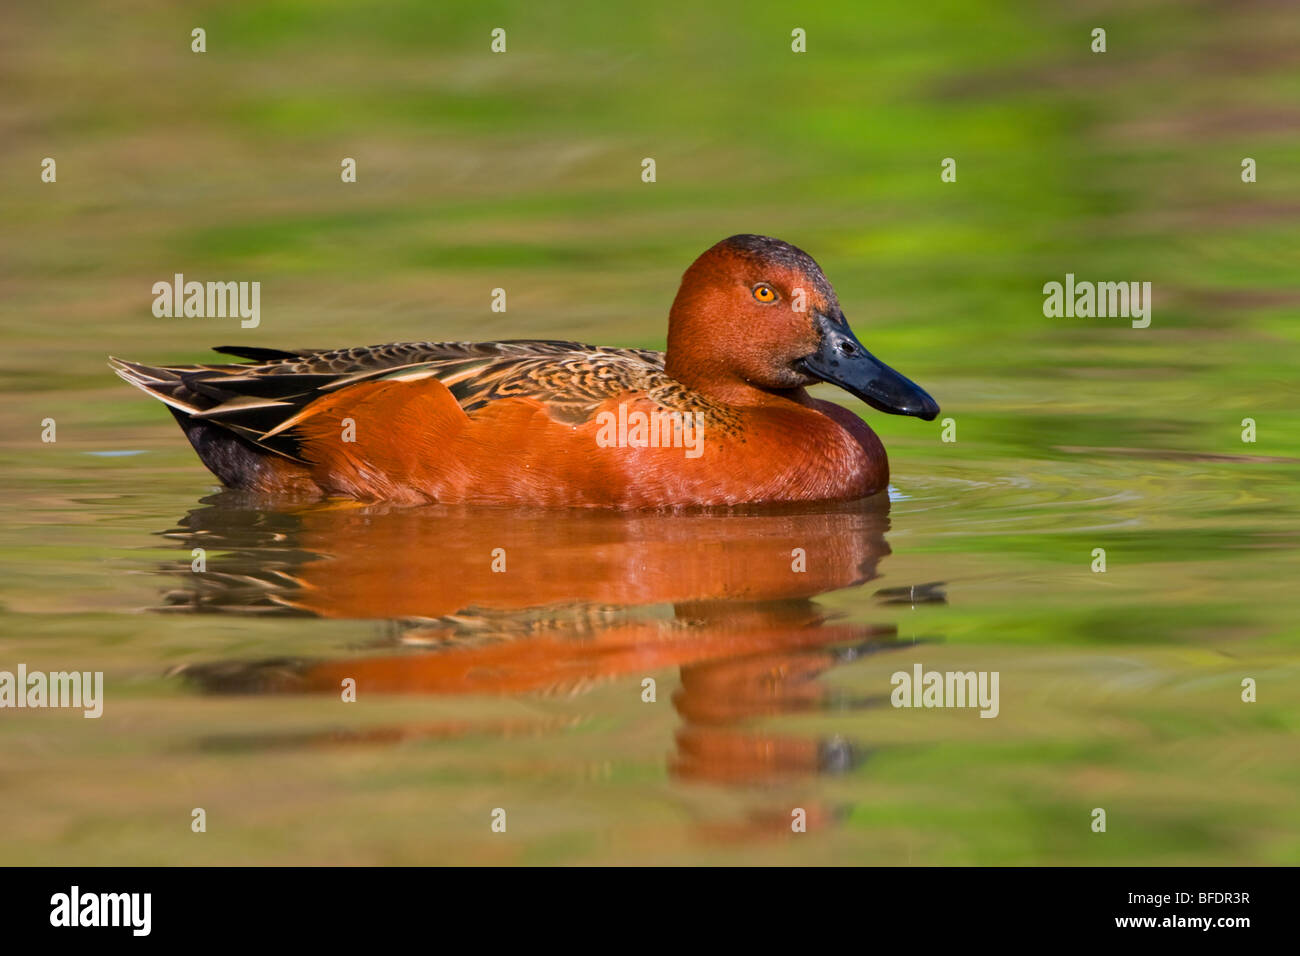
[(523, 689)]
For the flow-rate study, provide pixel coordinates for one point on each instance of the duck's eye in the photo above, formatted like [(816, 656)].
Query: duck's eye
[(764, 292)]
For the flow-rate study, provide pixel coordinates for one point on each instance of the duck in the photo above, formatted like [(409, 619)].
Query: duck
[(721, 417)]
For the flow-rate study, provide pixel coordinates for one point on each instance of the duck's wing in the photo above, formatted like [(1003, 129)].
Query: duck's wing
[(262, 400)]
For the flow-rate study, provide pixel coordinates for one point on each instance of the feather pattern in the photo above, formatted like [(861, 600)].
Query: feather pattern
[(262, 399)]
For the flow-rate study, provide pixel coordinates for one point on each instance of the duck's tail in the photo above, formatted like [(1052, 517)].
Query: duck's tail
[(233, 458)]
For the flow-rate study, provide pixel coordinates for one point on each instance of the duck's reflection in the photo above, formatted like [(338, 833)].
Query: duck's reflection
[(507, 602)]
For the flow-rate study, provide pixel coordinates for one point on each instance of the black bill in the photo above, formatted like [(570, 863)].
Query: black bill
[(842, 360)]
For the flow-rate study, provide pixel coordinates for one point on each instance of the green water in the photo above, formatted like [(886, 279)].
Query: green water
[(1119, 690)]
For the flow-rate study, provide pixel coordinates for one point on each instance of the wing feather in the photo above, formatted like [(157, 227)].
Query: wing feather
[(263, 399)]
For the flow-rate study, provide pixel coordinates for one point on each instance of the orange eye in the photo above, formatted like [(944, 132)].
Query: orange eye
[(764, 293)]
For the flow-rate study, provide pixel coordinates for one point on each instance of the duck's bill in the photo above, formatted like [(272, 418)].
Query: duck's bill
[(843, 361)]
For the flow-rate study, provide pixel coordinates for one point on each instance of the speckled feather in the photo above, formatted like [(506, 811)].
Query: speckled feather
[(261, 401)]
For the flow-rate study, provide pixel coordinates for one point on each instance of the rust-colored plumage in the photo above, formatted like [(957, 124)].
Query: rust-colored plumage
[(721, 418)]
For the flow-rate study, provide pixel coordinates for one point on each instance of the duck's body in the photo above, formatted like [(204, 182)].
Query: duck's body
[(552, 423)]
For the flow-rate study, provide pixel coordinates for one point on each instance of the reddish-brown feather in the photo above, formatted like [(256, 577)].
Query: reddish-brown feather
[(413, 443)]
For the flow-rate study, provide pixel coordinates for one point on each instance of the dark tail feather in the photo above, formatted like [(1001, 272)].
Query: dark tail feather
[(259, 354), (238, 462)]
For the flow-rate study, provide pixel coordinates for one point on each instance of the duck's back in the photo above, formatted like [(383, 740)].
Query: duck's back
[(514, 421)]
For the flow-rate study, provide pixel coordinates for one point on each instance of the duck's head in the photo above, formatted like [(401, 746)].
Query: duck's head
[(757, 313)]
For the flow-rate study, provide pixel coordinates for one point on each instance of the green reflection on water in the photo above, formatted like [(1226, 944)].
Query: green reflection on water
[(1118, 690)]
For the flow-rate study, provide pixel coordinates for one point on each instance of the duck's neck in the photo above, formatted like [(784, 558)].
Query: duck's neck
[(724, 386), (716, 379)]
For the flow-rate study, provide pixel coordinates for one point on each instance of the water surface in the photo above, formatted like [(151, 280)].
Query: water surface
[(523, 689)]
